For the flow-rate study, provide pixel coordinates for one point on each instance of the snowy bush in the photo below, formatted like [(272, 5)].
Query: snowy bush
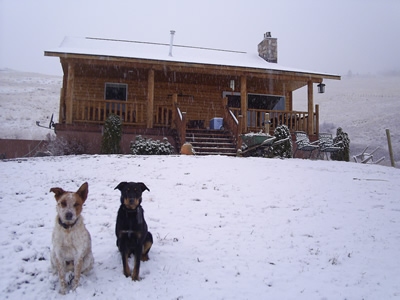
[(60, 146), (112, 135), (284, 150), (342, 155), (143, 146)]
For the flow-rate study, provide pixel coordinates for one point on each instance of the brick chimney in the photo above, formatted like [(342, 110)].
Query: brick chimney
[(268, 48)]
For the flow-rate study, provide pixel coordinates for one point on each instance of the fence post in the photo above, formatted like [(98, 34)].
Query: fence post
[(390, 147), (266, 123)]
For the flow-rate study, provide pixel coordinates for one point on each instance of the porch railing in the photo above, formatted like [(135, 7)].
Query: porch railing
[(233, 123), (131, 113), (93, 111), (294, 120), (162, 115), (134, 113)]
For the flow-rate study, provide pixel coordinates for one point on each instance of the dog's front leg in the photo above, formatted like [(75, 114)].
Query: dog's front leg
[(125, 263), (61, 275), (138, 256), (77, 272)]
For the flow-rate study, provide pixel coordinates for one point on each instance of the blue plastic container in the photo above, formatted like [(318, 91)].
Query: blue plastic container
[(216, 123)]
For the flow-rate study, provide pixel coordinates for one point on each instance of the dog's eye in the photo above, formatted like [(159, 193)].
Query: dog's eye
[(63, 204), (76, 204)]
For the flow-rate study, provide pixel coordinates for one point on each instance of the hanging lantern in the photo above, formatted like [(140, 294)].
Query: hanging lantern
[(321, 88), (232, 85)]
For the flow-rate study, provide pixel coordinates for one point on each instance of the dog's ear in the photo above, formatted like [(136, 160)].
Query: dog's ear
[(143, 186), (83, 191), (121, 185), (58, 192)]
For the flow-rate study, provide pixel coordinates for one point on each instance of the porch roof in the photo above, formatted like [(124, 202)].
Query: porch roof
[(135, 50)]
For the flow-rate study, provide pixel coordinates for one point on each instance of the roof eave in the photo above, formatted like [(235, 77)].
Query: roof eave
[(315, 77)]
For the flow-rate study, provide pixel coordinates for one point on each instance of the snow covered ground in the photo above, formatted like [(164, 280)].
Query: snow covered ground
[(224, 228), (364, 106)]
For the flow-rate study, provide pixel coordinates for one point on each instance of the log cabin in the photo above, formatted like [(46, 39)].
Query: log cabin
[(180, 92)]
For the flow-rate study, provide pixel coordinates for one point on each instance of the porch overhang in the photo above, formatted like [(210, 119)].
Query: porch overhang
[(199, 68)]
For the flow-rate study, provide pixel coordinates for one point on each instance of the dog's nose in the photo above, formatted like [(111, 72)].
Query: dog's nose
[(68, 216)]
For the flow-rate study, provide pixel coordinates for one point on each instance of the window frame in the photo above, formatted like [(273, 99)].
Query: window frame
[(116, 85)]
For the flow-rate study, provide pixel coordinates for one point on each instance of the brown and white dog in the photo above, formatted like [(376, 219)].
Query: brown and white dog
[(72, 246)]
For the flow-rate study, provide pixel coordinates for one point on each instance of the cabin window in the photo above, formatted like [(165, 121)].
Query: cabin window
[(233, 99), (265, 102), (257, 104), (116, 91), (256, 101)]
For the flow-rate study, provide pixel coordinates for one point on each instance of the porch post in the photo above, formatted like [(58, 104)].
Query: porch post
[(70, 93), (61, 113), (173, 114), (310, 118), (150, 98), (317, 119), (240, 131), (243, 102), (289, 101)]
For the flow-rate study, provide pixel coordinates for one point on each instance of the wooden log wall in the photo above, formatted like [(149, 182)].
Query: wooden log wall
[(199, 95)]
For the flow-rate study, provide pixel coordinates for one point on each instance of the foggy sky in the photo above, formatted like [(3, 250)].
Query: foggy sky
[(361, 36)]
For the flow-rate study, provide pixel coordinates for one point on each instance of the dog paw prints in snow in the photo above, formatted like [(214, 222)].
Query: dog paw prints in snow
[(166, 240), (18, 248)]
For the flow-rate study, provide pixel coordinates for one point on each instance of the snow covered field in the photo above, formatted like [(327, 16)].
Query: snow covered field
[(224, 228), (363, 106)]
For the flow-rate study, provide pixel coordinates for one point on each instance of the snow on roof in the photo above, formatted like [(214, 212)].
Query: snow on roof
[(160, 52)]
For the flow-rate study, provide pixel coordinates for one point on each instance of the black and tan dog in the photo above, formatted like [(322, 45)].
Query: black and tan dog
[(131, 228)]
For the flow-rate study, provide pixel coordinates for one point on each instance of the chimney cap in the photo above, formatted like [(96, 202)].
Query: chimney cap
[(267, 34)]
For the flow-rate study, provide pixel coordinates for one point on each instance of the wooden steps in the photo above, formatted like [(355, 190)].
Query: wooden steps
[(211, 142)]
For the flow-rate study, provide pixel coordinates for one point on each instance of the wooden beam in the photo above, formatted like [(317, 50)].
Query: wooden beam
[(150, 98), (310, 129), (70, 93), (243, 101)]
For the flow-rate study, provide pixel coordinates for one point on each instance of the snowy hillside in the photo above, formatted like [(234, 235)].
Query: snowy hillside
[(224, 228), (363, 106), (24, 99)]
